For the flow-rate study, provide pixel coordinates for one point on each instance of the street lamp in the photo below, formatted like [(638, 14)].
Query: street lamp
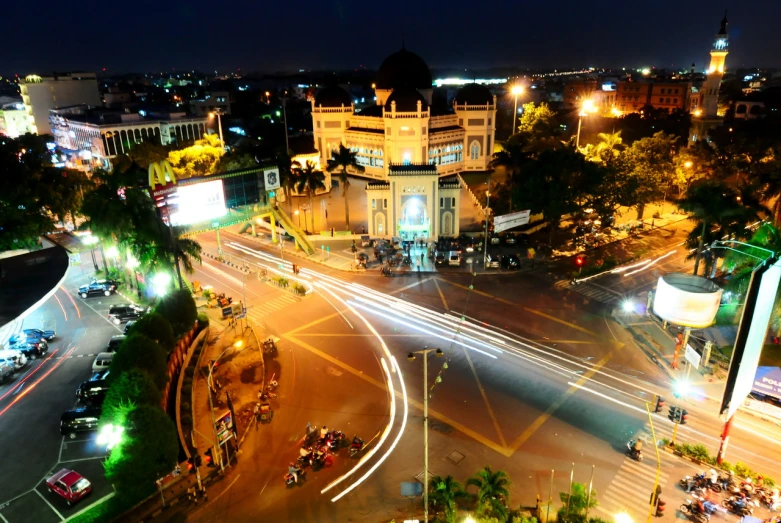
[(516, 91), (161, 282), (219, 113), (91, 241), (411, 357), (298, 214), (132, 264), (267, 97), (110, 435), (623, 517), (587, 107)]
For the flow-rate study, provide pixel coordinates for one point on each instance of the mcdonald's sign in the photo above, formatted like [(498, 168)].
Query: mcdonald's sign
[(161, 174)]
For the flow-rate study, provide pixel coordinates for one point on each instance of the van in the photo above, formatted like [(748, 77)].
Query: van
[(15, 357), (454, 259), (102, 361), (75, 421)]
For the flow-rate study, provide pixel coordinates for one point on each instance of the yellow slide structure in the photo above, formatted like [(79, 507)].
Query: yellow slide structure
[(281, 217)]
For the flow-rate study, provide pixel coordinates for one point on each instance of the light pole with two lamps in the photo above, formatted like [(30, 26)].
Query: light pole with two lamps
[(516, 91), (219, 113), (587, 107), (411, 357)]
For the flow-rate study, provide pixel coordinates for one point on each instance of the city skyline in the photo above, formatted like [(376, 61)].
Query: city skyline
[(574, 35)]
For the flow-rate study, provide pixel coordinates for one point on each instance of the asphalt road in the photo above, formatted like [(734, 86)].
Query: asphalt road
[(31, 405), (538, 380)]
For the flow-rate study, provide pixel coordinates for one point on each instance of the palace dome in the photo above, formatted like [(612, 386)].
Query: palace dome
[(332, 97), (474, 94), (403, 69), (406, 99)]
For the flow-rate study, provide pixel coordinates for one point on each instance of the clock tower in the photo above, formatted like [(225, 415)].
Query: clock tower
[(718, 58)]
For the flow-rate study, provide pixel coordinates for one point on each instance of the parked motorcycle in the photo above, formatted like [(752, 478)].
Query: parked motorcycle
[(336, 440), (386, 272)]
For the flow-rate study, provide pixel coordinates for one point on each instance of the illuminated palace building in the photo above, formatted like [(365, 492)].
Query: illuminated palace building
[(406, 142)]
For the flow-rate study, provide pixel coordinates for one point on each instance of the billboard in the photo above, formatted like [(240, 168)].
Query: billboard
[(224, 425), (508, 221), (271, 179), (687, 300), (197, 203), (768, 381), (751, 336)]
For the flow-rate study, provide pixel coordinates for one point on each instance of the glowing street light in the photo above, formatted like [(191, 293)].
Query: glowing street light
[(110, 435), (112, 252), (623, 517), (161, 282), (628, 306), (587, 107), (697, 113), (615, 112), (681, 388), (688, 164), (219, 113), (516, 90)]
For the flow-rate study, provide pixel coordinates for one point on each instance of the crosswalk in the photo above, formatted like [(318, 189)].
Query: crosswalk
[(591, 290), (258, 312)]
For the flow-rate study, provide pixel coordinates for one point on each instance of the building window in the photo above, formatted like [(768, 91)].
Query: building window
[(452, 203), (318, 124), (489, 121), (460, 122), (676, 91), (425, 129), (475, 122), (474, 150), (374, 203), (675, 101), (441, 202), (385, 203), (388, 131)]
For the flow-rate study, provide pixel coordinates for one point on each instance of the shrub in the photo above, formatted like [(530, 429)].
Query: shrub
[(281, 281), (142, 353), (203, 320), (180, 310), (742, 470), (158, 328), (699, 452), (300, 289), (131, 389)]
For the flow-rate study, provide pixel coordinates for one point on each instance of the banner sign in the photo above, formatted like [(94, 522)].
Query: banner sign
[(768, 381), (508, 221), (271, 179), (692, 356), (224, 428)]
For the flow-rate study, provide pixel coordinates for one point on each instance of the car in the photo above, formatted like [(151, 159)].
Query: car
[(492, 261), (511, 262), (495, 240), (75, 421), (510, 239), (97, 288), (127, 311), (32, 334), (93, 391), (102, 361), (69, 485), (115, 342), (31, 350), (6, 370), (128, 326), (16, 358), (454, 259)]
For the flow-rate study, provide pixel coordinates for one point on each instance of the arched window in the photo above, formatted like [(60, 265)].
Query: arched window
[(379, 223), (447, 224), (474, 150), (741, 109)]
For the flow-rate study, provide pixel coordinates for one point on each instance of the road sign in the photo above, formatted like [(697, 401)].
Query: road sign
[(271, 177), (227, 312), (237, 308), (224, 425), (692, 356)]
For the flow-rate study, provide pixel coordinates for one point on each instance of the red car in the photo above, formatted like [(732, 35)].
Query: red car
[(69, 485)]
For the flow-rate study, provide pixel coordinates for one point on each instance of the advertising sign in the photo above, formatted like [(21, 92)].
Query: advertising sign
[(224, 426), (199, 202), (752, 331), (508, 221), (768, 381), (271, 178), (692, 356)]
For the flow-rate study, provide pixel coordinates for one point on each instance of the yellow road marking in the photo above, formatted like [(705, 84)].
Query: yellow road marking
[(441, 295), (559, 320), (313, 323), (418, 405), (302, 335), (485, 398), (531, 429), (481, 293), (397, 291)]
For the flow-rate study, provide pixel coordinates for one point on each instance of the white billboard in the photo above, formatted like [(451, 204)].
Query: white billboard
[(748, 361), (687, 300), (508, 221), (271, 178), (199, 202)]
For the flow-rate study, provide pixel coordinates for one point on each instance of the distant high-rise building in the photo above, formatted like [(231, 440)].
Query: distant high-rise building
[(40, 94)]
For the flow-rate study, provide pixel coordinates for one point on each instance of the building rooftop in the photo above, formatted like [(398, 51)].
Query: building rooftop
[(412, 169), (445, 129)]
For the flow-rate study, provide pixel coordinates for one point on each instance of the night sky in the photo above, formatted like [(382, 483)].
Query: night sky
[(46, 35)]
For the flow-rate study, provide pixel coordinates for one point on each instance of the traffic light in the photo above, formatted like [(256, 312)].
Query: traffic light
[(296, 269), (191, 463), (198, 460), (208, 457), (579, 259), (659, 404), (657, 502), (683, 416)]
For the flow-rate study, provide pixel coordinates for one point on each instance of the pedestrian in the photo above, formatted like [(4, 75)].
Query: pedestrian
[(421, 258), (257, 415)]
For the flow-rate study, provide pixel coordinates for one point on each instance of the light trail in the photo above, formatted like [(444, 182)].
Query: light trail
[(650, 264), (51, 354), (61, 307), (32, 387), (78, 312)]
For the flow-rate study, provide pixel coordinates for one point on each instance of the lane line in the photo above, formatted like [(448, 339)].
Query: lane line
[(82, 459), (559, 320), (441, 295), (411, 285), (485, 398), (310, 324), (50, 505)]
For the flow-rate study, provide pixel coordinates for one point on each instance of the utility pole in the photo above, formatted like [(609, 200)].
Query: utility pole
[(487, 211), (658, 462), (219, 113), (284, 119)]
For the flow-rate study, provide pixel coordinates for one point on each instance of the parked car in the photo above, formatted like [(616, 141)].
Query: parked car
[(454, 259), (31, 350), (122, 313), (102, 361), (495, 240), (93, 391), (74, 421), (98, 288), (69, 485), (439, 258), (32, 335), (17, 358), (511, 262), (128, 326), (6, 370), (492, 261), (115, 342)]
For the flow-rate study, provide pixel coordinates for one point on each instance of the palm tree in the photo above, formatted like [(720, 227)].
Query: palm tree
[(608, 148), (512, 156), (344, 158), (444, 495), (577, 503), (287, 174), (309, 180), (492, 492)]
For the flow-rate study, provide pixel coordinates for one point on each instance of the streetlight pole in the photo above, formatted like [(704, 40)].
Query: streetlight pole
[(588, 105), (411, 357), (211, 405), (284, 119), (487, 210), (516, 90), (218, 111)]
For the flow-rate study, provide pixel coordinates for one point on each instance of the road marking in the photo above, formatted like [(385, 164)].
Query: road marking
[(441, 295), (481, 293), (303, 335), (82, 459), (91, 505), (50, 505), (433, 413), (3, 518), (104, 316), (226, 489), (411, 285), (312, 324), (18, 389), (485, 398), (531, 429), (559, 320)]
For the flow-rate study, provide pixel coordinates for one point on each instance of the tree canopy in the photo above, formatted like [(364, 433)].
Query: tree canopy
[(199, 159), (178, 307), (138, 351), (156, 327), (131, 390)]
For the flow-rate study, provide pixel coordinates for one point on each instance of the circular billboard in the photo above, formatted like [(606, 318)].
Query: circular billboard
[(687, 300)]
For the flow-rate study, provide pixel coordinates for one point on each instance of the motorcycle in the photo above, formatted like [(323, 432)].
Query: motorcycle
[(305, 460), (690, 506), (386, 272), (223, 301), (356, 446), (319, 459), (406, 262), (769, 499), (336, 440), (736, 507), (290, 480), (636, 455)]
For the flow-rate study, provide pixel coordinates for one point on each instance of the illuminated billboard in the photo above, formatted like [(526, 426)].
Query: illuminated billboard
[(687, 300), (195, 203)]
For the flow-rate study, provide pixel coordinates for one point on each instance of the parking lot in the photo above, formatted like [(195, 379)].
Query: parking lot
[(32, 402)]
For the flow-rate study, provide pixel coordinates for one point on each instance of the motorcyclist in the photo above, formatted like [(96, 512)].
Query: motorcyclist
[(760, 482), (304, 451), (700, 506), (691, 482), (357, 442), (713, 476), (293, 470), (323, 432), (636, 448)]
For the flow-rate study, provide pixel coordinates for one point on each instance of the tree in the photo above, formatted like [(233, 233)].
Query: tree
[(607, 149), (199, 159), (492, 492), (309, 180), (578, 503), (141, 353), (649, 163), (287, 174), (142, 154), (538, 120), (131, 390), (444, 494), (512, 157), (148, 451), (156, 327), (179, 309), (235, 160), (344, 158)]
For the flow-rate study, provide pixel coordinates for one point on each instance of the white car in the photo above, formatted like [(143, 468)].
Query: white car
[(18, 359), (102, 361)]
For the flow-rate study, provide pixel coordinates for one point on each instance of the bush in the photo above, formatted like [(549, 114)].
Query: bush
[(281, 281), (142, 353), (203, 320), (300, 289), (180, 310), (742, 470), (699, 452), (130, 390), (158, 328)]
